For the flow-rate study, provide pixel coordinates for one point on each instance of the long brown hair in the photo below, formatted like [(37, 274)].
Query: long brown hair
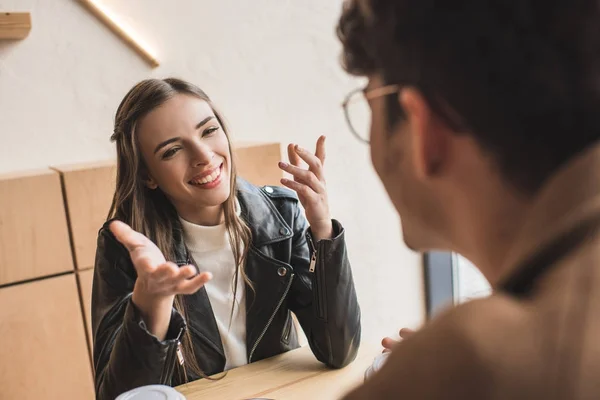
[(149, 211)]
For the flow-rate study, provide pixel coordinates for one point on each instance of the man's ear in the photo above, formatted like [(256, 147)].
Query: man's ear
[(429, 135)]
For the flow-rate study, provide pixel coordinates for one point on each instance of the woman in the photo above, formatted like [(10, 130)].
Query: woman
[(184, 217)]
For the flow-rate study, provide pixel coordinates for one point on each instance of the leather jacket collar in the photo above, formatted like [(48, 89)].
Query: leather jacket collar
[(265, 222)]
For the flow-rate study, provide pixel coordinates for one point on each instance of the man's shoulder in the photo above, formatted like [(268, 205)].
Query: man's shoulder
[(463, 353), (484, 338), (482, 323), (494, 308)]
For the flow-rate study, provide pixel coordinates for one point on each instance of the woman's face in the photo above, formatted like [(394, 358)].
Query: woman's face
[(187, 155)]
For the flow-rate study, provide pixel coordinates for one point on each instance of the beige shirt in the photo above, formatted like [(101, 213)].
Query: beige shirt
[(542, 346)]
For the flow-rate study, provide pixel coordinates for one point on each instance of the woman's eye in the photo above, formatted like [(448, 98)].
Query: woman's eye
[(170, 153), (210, 130)]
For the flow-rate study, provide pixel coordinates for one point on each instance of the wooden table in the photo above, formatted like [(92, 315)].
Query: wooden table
[(292, 375)]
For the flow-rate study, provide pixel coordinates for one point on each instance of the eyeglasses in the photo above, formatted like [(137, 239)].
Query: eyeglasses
[(358, 111)]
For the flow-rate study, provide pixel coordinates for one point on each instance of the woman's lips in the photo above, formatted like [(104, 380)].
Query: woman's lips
[(209, 178)]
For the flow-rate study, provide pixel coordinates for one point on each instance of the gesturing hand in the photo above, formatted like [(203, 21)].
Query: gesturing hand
[(310, 186), (156, 276), (158, 280)]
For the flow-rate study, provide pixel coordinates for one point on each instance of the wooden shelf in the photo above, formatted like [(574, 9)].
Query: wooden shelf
[(14, 25)]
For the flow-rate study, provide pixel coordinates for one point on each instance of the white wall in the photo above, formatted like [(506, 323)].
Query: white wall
[(271, 65)]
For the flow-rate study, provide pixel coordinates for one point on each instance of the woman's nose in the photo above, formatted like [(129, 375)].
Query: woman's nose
[(202, 154)]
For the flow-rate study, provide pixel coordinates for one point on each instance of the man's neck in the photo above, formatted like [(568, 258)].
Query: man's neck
[(485, 234)]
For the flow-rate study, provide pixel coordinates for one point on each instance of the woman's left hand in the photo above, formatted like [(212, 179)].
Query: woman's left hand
[(310, 186)]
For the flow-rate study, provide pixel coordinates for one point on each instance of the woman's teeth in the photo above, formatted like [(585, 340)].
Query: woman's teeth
[(208, 178)]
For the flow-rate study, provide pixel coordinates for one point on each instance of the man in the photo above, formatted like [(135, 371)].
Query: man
[(485, 120)]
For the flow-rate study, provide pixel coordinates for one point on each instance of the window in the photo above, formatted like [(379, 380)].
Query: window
[(451, 279), (468, 282)]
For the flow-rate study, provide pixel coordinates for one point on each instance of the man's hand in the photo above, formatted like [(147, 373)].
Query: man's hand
[(388, 343)]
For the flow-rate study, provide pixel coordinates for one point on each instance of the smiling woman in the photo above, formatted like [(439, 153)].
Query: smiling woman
[(202, 270)]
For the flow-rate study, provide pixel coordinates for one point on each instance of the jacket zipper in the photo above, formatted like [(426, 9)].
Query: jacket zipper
[(180, 354), (288, 328), (174, 353), (319, 301), (313, 262), (313, 258), (262, 334), (169, 365)]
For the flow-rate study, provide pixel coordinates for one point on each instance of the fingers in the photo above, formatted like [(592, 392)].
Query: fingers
[(314, 163), (170, 279), (164, 273), (388, 343), (171, 274), (292, 155), (320, 151), (190, 286), (303, 176), (143, 252), (294, 160), (304, 191), (127, 236), (405, 333), (188, 271)]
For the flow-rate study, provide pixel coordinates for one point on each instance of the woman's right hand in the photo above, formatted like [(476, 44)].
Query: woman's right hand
[(158, 280)]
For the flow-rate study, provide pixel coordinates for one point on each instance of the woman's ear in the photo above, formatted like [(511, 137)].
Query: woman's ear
[(150, 183)]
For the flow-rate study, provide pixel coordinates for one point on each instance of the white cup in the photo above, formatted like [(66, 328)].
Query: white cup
[(377, 364)]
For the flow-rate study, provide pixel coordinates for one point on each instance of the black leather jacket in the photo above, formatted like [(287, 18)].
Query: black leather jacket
[(288, 272)]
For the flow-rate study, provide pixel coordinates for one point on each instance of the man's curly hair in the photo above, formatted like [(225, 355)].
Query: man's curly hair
[(521, 76)]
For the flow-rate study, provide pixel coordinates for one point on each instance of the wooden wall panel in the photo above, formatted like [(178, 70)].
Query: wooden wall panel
[(258, 163), (34, 239), (43, 353), (85, 285), (88, 190)]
